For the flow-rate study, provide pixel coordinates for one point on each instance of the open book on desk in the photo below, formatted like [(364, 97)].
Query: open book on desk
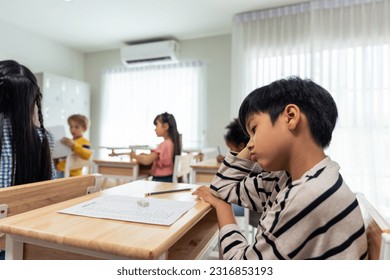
[(132, 209)]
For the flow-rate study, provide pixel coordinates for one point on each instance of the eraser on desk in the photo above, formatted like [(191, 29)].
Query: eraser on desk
[(143, 203)]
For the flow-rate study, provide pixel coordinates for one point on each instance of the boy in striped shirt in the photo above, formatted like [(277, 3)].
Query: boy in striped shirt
[(307, 210)]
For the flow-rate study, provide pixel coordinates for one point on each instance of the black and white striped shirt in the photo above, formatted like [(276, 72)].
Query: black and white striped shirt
[(315, 217)]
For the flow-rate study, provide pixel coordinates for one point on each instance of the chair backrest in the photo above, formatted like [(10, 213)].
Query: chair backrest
[(182, 168), (73, 161), (377, 230), (22, 198)]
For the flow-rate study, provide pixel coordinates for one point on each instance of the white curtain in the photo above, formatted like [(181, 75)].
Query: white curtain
[(343, 46), (133, 97)]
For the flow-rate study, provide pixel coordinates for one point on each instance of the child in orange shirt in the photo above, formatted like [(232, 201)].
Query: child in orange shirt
[(80, 145)]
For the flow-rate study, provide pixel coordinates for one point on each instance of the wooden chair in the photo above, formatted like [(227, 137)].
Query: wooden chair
[(22, 198), (182, 168), (377, 230), (73, 161)]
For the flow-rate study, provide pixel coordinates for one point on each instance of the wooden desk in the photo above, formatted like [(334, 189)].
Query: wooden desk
[(203, 172), (45, 234), (121, 169), (201, 154)]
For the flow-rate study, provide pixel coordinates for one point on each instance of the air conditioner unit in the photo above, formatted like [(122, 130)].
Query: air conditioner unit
[(150, 53)]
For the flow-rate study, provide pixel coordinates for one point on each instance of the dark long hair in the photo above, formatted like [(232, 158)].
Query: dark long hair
[(19, 93), (172, 131)]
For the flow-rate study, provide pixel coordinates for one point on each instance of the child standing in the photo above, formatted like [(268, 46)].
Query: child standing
[(80, 145), (163, 157), (307, 210)]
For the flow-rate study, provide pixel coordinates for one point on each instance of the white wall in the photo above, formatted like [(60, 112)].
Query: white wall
[(214, 51), (38, 53), (42, 55)]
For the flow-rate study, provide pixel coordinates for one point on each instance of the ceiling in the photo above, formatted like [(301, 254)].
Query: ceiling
[(95, 25)]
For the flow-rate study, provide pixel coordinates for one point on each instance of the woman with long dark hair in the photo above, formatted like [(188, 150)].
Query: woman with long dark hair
[(24, 146)]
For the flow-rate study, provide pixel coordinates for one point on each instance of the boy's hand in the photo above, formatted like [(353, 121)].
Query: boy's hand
[(68, 142), (224, 210), (244, 153), (220, 158), (133, 155), (206, 194)]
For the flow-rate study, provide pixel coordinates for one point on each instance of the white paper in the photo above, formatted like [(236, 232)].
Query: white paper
[(127, 208), (60, 150)]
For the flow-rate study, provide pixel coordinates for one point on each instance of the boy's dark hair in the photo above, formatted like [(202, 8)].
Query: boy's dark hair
[(172, 131), (313, 100), (80, 119), (236, 134)]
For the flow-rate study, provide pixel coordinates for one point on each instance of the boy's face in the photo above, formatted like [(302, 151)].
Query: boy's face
[(76, 129), (269, 144)]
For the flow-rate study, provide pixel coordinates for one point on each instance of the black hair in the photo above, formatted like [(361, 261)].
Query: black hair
[(236, 134), (172, 131), (19, 94), (313, 100)]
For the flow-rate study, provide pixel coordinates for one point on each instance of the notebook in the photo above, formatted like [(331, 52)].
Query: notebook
[(60, 150)]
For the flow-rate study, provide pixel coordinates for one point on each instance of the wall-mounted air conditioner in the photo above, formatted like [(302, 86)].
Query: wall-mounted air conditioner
[(150, 53)]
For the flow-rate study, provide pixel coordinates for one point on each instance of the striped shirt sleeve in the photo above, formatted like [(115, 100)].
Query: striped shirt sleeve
[(244, 183), (315, 217)]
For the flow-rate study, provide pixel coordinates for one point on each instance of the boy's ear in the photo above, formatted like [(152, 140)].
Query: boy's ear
[(292, 116)]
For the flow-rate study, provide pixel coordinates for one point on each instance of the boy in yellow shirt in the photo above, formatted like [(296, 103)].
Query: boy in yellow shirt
[(80, 145)]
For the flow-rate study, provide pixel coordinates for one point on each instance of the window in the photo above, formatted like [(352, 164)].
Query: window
[(345, 47), (133, 97)]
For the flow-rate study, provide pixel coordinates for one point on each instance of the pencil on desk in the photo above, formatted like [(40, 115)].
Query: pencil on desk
[(168, 191)]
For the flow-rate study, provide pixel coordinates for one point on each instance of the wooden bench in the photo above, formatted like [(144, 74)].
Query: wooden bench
[(377, 230), (19, 199)]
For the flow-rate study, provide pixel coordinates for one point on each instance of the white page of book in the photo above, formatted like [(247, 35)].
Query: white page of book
[(133, 209), (60, 150)]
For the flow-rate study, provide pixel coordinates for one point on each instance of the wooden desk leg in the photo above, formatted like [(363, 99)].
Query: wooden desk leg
[(13, 248), (135, 172), (385, 247), (192, 177)]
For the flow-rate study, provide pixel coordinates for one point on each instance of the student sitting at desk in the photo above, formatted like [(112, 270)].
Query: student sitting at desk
[(236, 139), (163, 157), (24, 144), (307, 210)]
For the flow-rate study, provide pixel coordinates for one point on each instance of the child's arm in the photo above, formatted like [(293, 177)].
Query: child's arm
[(144, 159), (243, 182), (82, 152), (224, 210), (78, 148)]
